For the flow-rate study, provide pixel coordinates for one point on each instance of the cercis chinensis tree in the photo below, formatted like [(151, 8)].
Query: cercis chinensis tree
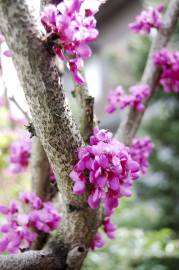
[(91, 169)]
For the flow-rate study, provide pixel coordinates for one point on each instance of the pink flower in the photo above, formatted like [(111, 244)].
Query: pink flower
[(107, 166), (139, 93), (147, 20), (117, 98), (97, 242), (73, 26), (169, 63), (140, 151), (109, 228), (32, 199), (20, 155), (51, 176), (21, 227), (48, 17), (45, 219)]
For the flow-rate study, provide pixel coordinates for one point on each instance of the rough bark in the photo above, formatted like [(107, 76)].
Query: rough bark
[(32, 260), (88, 119), (51, 117), (128, 129), (86, 104), (40, 168)]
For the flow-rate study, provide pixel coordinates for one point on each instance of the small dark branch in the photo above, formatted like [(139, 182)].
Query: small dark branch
[(87, 117), (151, 73), (32, 260)]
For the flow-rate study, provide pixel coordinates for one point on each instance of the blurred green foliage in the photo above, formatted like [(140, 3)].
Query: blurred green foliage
[(133, 249)]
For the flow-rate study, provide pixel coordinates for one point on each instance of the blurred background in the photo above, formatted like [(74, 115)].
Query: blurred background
[(148, 223)]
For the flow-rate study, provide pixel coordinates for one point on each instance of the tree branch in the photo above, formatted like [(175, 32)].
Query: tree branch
[(151, 73), (51, 116), (87, 117), (32, 260), (43, 260)]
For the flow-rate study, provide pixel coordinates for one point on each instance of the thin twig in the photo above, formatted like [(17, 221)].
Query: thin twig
[(20, 108), (88, 119)]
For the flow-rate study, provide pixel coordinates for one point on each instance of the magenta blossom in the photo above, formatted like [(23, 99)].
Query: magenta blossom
[(138, 94), (169, 62), (151, 18), (51, 176), (22, 227), (140, 151), (20, 155), (97, 242), (72, 25), (109, 228), (107, 167), (117, 98)]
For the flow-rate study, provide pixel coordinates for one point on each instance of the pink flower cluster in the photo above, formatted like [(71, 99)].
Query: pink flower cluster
[(151, 18), (4, 48), (109, 229), (20, 155), (72, 25), (107, 166), (22, 227), (169, 62), (135, 99), (140, 151)]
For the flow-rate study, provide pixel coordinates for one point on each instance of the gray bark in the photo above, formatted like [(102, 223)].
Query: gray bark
[(32, 260)]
